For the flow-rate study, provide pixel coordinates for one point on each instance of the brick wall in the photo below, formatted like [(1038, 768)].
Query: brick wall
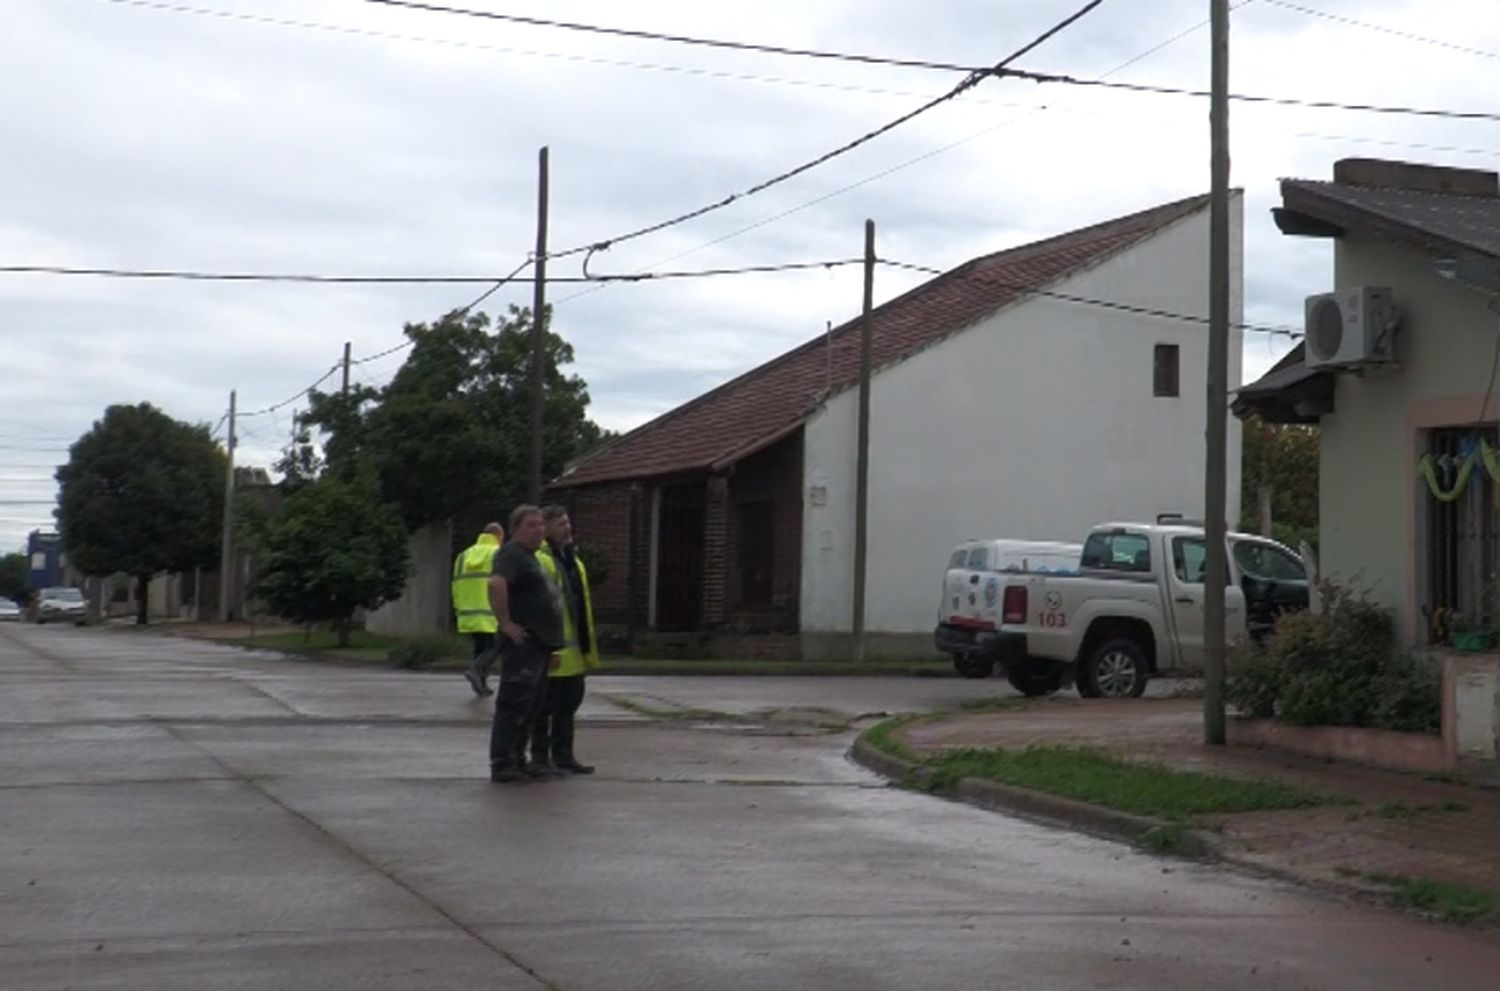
[(716, 537), (601, 525)]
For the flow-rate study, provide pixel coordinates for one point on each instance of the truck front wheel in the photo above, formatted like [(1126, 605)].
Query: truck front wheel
[(1115, 669)]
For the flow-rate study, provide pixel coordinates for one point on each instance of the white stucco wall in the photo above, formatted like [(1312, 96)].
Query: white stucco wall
[(1371, 503), (1037, 423)]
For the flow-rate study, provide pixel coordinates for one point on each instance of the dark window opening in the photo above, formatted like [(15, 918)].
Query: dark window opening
[(755, 551), (1463, 536), (1165, 380)]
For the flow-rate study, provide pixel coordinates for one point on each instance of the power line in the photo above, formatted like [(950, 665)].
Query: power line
[(640, 35), (710, 272), (912, 161), (381, 354), (1382, 29), (970, 81), (200, 276), (287, 402), (535, 53), (179, 275), (1280, 101), (502, 281), (1106, 304)]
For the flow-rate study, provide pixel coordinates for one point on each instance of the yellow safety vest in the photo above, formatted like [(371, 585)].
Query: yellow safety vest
[(471, 586), (571, 658)]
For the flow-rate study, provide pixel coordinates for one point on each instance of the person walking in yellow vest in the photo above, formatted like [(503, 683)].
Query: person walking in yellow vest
[(471, 604), (552, 732)]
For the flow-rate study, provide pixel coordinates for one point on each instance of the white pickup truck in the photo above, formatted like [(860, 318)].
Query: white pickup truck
[(1134, 608)]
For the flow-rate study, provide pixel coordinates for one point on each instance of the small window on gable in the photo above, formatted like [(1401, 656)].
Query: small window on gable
[(1165, 380)]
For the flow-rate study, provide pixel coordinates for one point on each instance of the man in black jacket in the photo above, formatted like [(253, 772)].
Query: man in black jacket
[(530, 634)]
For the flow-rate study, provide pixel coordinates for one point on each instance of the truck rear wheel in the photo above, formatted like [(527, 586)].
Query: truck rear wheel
[(1115, 669), (1033, 680), (973, 665)]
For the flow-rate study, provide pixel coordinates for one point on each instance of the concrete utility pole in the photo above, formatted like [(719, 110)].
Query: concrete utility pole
[(862, 459), (538, 330), (345, 388), (226, 550), (1216, 467)]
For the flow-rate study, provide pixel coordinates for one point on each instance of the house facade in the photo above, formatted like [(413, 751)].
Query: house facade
[(1029, 393), (1408, 507)]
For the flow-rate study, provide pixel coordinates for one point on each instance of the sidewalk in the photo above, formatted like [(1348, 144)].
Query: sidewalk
[(1399, 824)]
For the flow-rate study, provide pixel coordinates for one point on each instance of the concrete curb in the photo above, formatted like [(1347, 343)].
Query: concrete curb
[(1052, 809)]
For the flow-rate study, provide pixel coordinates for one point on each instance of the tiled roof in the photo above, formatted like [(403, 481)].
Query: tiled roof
[(1443, 222), (738, 418)]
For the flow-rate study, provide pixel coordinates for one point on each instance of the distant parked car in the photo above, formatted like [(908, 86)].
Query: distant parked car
[(9, 611), (60, 604)]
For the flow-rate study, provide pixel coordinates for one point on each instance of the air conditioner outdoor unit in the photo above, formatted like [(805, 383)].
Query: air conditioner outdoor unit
[(1350, 328)]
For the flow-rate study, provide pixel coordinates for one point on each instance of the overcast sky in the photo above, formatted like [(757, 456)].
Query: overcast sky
[(219, 135)]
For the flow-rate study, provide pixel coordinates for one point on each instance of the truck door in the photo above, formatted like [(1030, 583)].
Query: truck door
[(1185, 591)]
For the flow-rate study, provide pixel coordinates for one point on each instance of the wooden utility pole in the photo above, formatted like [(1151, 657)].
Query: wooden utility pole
[(862, 458), (1216, 468), (226, 549), (345, 388), (538, 330)]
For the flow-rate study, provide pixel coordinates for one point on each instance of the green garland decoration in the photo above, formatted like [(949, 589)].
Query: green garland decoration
[(1485, 456)]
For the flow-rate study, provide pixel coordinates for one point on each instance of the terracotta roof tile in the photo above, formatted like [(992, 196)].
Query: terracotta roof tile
[(737, 418)]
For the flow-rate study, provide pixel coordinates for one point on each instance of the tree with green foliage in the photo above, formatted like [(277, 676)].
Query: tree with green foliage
[(452, 430), (13, 575), (1285, 457), (333, 547), (141, 493)]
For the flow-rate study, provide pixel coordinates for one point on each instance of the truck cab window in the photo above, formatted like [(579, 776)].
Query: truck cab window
[(1117, 552), (1267, 563), (1189, 560)]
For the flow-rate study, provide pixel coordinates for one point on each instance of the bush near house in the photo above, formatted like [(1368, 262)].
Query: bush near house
[(1338, 666)]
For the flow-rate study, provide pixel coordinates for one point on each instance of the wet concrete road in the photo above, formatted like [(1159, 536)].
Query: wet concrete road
[(176, 815)]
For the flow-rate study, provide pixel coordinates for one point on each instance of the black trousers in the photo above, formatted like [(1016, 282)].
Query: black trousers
[(523, 682), (552, 732), (484, 652)]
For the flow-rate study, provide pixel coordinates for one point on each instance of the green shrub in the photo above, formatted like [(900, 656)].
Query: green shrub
[(419, 652), (1407, 696), (1338, 666)]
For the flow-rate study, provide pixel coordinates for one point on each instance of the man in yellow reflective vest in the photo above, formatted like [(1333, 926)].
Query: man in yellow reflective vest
[(552, 731), (471, 604)]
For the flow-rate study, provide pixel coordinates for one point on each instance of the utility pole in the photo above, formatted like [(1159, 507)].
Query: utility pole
[(226, 550), (862, 459), (538, 330), (345, 389), (1215, 470)]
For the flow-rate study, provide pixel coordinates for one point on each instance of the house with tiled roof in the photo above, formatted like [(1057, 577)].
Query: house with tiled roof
[(1028, 393), (1399, 371)]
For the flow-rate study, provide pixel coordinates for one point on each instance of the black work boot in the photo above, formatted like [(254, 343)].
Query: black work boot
[(541, 770), (568, 763), (507, 774)]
